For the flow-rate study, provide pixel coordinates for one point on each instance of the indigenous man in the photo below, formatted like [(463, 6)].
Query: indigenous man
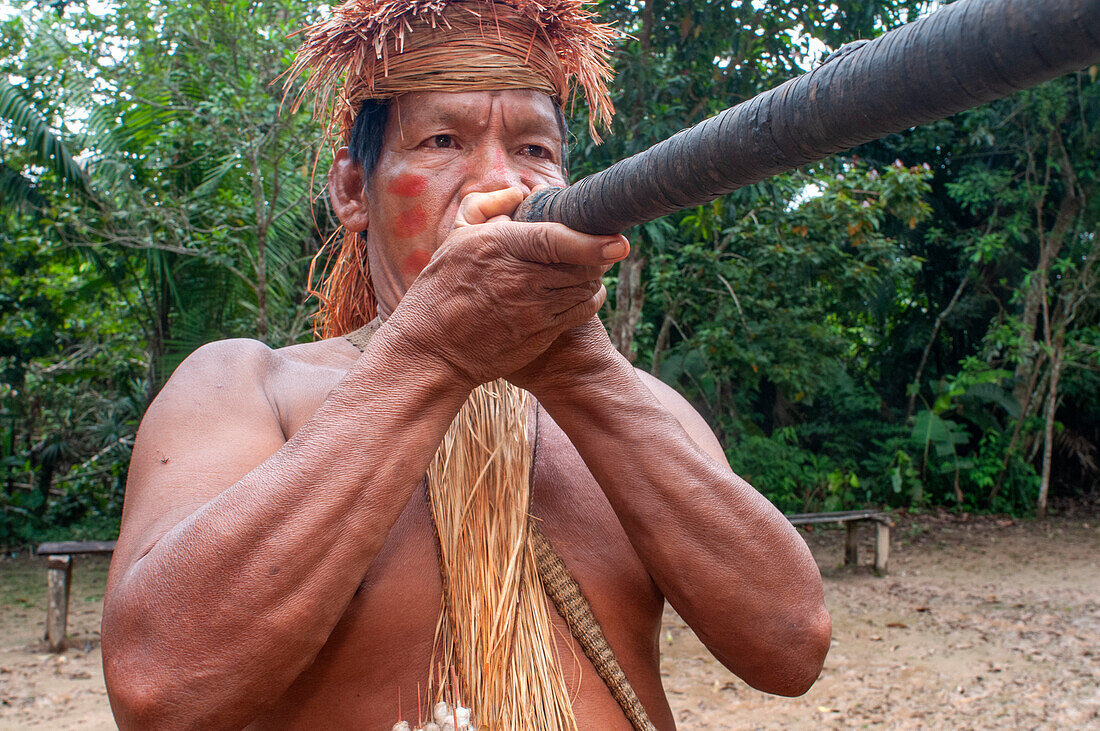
[(277, 565)]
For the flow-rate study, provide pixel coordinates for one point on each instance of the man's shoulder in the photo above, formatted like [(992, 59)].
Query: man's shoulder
[(225, 361), (669, 397), (690, 419), (248, 361), (244, 379), (661, 389), (335, 352), (219, 377)]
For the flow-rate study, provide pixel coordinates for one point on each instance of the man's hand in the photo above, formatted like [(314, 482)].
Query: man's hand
[(498, 293), (579, 354)]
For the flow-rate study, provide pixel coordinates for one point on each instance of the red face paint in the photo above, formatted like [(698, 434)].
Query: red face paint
[(410, 223), (408, 186), (415, 262)]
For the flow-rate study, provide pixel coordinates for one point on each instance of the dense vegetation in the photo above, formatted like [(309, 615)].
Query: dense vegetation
[(913, 324)]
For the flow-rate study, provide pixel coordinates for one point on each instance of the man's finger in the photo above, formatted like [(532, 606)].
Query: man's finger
[(478, 208), (584, 311), (566, 297), (570, 275), (553, 243)]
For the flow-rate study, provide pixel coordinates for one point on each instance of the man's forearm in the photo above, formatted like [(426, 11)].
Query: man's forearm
[(228, 607), (725, 558)]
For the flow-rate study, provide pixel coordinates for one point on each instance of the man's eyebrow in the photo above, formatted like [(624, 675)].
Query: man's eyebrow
[(525, 124), (448, 117), (534, 124)]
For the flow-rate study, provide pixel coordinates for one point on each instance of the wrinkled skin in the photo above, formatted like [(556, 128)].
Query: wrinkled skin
[(276, 567)]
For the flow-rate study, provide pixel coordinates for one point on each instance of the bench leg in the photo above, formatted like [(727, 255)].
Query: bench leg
[(882, 547), (851, 544), (59, 574)]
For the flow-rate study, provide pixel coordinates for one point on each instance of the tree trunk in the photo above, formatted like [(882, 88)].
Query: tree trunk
[(915, 387), (44, 482), (263, 210), (261, 294), (630, 292), (1033, 387), (1048, 434), (662, 343), (645, 38), (161, 330), (629, 297), (9, 480), (1050, 245)]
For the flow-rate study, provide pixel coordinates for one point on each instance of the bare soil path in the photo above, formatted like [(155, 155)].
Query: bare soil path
[(981, 623)]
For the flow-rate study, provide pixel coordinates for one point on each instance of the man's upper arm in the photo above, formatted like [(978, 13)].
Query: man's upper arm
[(694, 424), (210, 425)]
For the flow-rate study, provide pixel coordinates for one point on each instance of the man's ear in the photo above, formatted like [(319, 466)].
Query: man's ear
[(347, 193)]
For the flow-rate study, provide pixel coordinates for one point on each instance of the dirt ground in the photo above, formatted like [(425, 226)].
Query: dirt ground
[(981, 623)]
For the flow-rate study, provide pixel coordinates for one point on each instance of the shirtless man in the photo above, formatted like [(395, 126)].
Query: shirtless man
[(276, 566)]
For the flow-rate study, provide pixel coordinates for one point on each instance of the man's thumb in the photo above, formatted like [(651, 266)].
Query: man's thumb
[(478, 208)]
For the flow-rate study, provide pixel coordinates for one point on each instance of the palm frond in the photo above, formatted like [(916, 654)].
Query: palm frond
[(47, 148), (17, 191)]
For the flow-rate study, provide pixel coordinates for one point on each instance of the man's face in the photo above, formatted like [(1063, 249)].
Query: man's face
[(438, 147)]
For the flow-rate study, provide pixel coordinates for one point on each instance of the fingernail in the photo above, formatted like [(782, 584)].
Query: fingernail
[(613, 250)]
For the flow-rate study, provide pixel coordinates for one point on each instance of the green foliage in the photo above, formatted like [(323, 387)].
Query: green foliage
[(962, 439), (44, 146), (185, 217), (771, 299)]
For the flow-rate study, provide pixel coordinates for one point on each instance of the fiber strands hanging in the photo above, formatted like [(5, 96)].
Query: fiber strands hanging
[(495, 632)]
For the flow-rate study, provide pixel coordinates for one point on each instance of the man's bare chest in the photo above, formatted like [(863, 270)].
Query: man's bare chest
[(565, 498), (385, 637)]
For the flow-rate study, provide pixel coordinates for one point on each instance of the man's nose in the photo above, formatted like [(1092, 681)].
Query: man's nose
[(493, 168)]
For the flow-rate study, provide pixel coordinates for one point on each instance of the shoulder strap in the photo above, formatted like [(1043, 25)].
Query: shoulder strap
[(565, 594), (359, 338)]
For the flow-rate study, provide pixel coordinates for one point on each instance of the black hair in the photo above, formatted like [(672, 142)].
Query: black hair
[(365, 145)]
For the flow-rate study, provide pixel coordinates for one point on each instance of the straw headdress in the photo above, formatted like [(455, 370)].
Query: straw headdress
[(379, 49)]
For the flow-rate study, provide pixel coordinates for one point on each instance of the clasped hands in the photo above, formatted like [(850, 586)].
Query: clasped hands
[(514, 300)]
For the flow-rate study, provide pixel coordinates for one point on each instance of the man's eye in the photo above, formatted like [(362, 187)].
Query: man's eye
[(535, 151), (441, 142)]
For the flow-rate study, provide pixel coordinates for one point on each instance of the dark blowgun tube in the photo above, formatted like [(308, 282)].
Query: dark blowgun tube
[(965, 55)]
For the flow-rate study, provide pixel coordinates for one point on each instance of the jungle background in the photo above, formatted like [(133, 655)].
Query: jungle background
[(913, 324)]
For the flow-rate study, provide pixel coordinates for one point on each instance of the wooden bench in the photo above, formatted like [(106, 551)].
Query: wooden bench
[(851, 520), (59, 575)]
